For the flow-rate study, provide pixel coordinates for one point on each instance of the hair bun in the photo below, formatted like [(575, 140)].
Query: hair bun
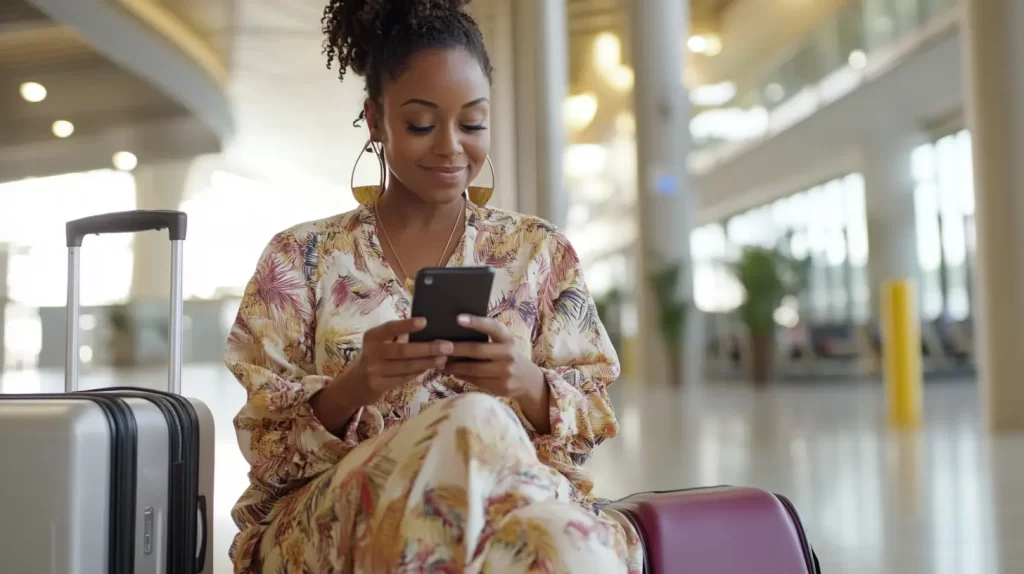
[(354, 27)]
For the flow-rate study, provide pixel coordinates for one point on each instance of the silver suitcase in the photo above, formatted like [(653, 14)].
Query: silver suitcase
[(114, 480)]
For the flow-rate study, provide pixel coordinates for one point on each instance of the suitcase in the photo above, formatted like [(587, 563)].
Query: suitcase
[(115, 480), (719, 530)]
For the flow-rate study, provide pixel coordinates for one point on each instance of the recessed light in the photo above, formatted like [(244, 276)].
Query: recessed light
[(125, 160), (63, 128), (33, 92), (858, 59)]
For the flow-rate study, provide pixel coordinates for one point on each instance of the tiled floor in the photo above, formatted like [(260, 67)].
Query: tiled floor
[(946, 499)]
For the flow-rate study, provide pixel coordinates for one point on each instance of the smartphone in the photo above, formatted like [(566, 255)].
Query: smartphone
[(441, 294)]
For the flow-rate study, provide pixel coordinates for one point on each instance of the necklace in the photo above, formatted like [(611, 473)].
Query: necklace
[(398, 260)]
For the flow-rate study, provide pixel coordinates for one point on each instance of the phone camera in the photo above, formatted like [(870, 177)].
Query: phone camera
[(428, 280)]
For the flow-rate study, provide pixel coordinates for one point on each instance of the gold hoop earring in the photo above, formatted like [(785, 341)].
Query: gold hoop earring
[(481, 195), (368, 194)]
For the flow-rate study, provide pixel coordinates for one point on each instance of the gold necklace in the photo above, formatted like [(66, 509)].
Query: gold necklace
[(398, 260)]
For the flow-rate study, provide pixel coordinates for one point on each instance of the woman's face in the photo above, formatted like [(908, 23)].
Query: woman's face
[(436, 123)]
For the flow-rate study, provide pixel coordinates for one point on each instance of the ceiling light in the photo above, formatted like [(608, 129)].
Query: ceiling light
[(125, 160), (709, 45), (607, 51), (858, 59), (712, 94), (33, 92), (63, 128), (621, 78), (580, 110)]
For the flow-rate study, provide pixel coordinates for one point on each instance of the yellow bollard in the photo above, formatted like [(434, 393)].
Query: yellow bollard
[(901, 351)]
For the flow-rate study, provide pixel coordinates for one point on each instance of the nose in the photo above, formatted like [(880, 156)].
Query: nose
[(447, 143)]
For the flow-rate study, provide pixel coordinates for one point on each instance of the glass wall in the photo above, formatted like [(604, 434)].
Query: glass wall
[(827, 223), (944, 205)]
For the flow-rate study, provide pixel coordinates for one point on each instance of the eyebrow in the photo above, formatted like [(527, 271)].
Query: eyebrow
[(430, 104)]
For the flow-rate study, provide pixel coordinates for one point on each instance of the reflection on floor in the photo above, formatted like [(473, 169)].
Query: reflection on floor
[(947, 499)]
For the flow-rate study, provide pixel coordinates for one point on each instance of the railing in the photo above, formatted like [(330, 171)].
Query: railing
[(831, 60)]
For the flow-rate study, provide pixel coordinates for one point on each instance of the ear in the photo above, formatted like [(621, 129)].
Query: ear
[(374, 120)]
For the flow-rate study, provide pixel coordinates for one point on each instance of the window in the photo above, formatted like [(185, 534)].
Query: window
[(233, 218), (944, 207), (826, 223), (34, 228)]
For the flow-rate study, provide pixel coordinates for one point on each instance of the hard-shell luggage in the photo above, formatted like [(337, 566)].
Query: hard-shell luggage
[(114, 480), (719, 530)]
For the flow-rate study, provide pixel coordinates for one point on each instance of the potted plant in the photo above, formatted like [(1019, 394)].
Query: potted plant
[(672, 313), (121, 341), (609, 310), (767, 276)]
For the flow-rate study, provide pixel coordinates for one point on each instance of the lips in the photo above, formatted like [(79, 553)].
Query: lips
[(447, 173), (447, 169)]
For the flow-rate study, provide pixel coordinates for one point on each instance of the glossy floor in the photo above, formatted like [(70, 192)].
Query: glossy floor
[(946, 499)]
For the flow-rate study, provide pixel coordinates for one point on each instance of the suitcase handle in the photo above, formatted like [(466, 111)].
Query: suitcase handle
[(175, 222)]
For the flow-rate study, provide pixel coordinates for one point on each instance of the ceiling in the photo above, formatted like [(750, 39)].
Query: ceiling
[(110, 107), (82, 86), (292, 117)]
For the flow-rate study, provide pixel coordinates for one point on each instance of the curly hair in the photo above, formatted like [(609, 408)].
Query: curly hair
[(376, 38)]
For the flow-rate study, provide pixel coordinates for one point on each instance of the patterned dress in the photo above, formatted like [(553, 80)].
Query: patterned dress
[(436, 476)]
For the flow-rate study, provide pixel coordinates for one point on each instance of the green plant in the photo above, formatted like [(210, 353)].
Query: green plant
[(612, 299), (767, 277), (672, 309)]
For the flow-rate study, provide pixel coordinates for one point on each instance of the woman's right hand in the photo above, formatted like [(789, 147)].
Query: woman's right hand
[(387, 360)]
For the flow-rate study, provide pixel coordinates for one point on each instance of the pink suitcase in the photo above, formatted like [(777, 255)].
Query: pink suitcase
[(719, 530)]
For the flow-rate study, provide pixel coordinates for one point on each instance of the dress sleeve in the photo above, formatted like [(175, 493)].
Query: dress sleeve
[(270, 350), (579, 362)]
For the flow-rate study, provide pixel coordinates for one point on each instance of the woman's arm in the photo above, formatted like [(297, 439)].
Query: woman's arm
[(271, 352), (578, 363)]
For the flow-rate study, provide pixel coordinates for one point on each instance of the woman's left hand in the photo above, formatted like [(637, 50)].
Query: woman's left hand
[(497, 366)]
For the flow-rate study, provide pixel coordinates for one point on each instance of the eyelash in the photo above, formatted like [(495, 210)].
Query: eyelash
[(423, 130)]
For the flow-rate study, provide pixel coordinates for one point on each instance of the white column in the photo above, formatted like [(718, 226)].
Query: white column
[(3, 303), (994, 105), (665, 196), (889, 202), (496, 24), (158, 186), (541, 72)]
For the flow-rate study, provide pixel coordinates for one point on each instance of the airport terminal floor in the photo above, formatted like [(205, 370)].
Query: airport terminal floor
[(942, 500)]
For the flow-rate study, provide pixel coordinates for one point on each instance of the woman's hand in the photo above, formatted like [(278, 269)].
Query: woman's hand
[(387, 360), (498, 368)]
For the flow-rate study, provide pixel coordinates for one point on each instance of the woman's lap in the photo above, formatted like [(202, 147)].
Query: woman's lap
[(456, 488)]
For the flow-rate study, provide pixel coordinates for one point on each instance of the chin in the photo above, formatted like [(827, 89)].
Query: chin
[(440, 196)]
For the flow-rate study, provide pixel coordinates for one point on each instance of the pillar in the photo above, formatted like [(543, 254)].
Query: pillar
[(541, 77), (994, 106), (498, 27), (4, 255), (891, 219), (157, 186), (665, 197)]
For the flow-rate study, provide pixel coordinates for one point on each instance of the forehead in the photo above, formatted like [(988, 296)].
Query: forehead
[(443, 76)]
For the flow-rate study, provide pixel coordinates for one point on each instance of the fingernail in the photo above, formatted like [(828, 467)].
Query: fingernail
[(420, 322), (447, 348), (463, 319)]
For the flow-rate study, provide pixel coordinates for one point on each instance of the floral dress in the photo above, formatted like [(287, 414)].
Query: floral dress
[(436, 476)]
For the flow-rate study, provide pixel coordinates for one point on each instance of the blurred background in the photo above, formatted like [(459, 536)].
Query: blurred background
[(747, 182)]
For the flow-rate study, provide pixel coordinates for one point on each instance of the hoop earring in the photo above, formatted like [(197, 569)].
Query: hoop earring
[(368, 194), (481, 195)]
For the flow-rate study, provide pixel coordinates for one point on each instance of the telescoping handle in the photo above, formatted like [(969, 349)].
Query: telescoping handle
[(176, 223)]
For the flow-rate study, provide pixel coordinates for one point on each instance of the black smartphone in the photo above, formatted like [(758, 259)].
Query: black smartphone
[(441, 294)]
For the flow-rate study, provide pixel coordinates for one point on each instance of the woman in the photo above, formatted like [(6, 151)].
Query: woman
[(369, 453)]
